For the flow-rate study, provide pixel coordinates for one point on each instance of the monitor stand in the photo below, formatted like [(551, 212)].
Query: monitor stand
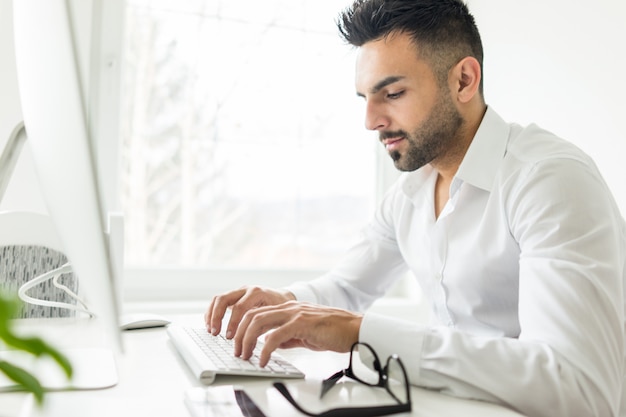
[(94, 368)]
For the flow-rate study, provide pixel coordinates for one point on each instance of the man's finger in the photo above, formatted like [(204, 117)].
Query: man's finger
[(220, 303)]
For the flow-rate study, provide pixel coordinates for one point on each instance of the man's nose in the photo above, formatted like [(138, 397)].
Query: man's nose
[(375, 117)]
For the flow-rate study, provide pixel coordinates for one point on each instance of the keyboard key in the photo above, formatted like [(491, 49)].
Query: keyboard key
[(219, 351)]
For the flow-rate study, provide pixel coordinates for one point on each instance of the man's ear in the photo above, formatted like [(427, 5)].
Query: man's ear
[(466, 76)]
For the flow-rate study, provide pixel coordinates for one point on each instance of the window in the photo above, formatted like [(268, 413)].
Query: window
[(243, 139)]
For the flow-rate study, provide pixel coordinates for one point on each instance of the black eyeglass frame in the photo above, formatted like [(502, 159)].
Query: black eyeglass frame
[(383, 381)]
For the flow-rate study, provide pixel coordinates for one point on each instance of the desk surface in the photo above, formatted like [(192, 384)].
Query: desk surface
[(153, 380)]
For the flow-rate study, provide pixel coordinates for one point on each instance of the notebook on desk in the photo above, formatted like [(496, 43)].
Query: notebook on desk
[(208, 356)]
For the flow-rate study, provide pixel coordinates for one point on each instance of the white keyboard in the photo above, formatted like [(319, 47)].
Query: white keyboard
[(208, 356)]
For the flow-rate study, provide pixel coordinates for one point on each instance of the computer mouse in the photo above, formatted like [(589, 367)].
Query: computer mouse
[(133, 321)]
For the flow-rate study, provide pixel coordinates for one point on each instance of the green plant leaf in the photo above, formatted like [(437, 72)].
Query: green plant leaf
[(24, 379), (9, 306), (38, 347)]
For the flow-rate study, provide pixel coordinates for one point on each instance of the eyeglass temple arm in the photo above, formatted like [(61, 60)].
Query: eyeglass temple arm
[(283, 390), (330, 382), (344, 412)]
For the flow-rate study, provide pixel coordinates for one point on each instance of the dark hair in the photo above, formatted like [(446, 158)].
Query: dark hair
[(444, 30)]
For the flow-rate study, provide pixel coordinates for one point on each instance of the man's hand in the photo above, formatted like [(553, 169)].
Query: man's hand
[(297, 324), (240, 301)]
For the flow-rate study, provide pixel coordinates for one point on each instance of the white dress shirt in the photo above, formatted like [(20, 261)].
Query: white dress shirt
[(524, 269)]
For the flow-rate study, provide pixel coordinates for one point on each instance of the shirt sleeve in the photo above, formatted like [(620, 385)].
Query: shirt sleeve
[(568, 360)]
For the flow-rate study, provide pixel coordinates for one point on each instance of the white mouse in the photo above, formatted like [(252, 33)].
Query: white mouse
[(134, 321)]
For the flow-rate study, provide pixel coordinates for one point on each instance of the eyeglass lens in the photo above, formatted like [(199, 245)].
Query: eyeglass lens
[(396, 380), (366, 368), (365, 365)]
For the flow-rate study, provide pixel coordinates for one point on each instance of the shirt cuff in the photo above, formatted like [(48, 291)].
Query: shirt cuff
[(303, 292), (388, 336)]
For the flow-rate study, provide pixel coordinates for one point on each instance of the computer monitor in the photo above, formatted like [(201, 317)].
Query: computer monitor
[(68, 77)]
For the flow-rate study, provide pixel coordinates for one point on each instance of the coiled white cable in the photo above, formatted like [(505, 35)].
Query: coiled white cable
[(55, 274)]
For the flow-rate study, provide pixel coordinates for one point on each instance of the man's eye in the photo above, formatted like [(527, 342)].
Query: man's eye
[(393, 96)]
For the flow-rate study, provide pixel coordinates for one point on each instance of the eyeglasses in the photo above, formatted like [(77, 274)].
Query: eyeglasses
[(365, 368)]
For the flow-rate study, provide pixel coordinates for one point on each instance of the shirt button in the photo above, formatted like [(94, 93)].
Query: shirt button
[(438, 276)]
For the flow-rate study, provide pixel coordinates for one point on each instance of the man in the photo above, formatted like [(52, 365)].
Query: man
[(511, 233)]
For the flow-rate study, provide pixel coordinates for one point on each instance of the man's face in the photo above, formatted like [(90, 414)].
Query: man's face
[(416, 118)]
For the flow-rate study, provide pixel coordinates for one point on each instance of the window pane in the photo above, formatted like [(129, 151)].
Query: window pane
[(243, 140)]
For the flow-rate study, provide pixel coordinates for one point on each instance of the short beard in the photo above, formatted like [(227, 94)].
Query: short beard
[(434, 138)]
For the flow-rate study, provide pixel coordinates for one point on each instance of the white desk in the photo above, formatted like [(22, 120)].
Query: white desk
[(153, 380)]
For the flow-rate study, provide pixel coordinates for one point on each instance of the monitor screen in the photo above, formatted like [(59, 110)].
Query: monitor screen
[(68, 77)]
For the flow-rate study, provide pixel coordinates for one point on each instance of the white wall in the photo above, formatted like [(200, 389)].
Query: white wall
[(558, 63)]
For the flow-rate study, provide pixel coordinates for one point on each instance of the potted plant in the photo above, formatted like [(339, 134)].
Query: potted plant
[(36, 346)]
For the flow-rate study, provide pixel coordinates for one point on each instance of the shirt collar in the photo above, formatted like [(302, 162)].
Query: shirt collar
[(481, 162), (484, 155)]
